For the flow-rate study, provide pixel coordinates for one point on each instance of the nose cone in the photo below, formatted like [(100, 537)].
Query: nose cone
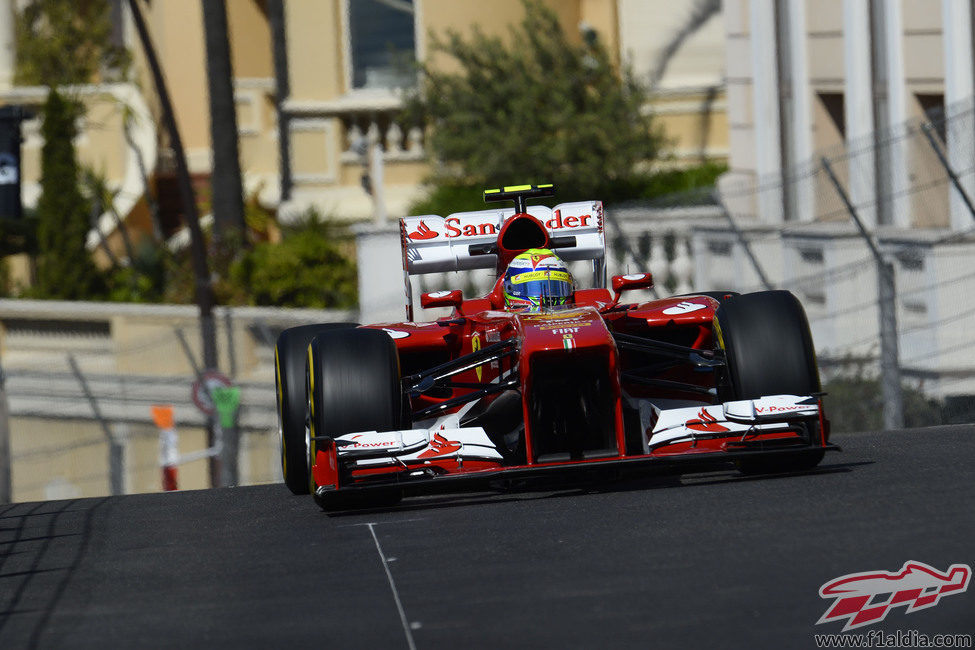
[(566, 329)]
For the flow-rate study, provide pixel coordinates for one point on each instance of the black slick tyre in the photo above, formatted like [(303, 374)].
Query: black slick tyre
[(290, 351), (769, 351), (353, 385)]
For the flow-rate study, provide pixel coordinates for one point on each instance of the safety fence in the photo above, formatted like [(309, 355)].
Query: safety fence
[(911, 188), (81, 380)]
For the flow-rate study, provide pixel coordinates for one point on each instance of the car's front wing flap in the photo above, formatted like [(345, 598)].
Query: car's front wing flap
[(452, 458), (742, 418)]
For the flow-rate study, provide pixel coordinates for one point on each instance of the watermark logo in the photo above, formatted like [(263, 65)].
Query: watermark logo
[(866, 598)]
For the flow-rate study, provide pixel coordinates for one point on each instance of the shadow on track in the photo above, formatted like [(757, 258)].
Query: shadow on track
[(580, 488), (25, 614)]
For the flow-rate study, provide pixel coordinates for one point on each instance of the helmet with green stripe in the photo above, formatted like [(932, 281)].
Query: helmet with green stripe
[(535, 279)]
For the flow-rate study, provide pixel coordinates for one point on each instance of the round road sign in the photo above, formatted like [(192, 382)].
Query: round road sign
[(201, 397)]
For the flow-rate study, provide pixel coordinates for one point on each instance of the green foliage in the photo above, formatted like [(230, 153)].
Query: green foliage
[(682, 180), (447, 198), (144, 279), (312, 266), (65, 269), (540, 110), (66, 42), (854, 402)]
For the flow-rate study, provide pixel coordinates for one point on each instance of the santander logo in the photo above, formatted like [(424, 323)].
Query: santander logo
[(440, 446), (866, 598), (478, 225), (706, 422), (423, 231)]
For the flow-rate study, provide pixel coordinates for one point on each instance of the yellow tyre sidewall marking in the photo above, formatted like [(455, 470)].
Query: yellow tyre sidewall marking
[(717, 331), (311, 419), (284, 449)]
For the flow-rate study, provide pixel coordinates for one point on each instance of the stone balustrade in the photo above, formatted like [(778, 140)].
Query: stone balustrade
[(366, 118)]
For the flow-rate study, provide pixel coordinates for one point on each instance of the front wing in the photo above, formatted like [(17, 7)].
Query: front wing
[(449, 458)]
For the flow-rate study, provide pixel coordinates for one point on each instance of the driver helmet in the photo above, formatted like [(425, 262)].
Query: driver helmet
[(535, 279)]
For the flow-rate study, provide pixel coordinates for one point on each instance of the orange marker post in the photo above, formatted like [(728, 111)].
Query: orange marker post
[(162, 415)]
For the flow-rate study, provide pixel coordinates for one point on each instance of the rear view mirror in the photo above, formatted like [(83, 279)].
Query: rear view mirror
[(442, 299), (631, 282)]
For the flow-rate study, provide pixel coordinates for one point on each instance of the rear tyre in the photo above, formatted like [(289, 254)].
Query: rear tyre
[(353, 385), (769, 351), (289, 380)]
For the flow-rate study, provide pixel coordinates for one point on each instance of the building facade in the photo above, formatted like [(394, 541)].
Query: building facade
[(840, 109), (334, 92)]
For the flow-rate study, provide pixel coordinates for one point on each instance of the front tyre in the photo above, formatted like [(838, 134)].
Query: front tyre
[(292, 401), (769, 351), (353, 385)]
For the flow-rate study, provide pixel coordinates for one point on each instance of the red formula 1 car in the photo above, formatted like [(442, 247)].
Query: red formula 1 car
[(494, 397)]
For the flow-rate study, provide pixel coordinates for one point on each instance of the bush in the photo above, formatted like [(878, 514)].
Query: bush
[(447, 198), (144, 279), (854, 402), (312, 266)]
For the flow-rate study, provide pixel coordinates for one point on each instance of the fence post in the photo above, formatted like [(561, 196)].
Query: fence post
[(213, 462), (890, 371), (6, 484), (228, 323), (116, 454), (231, 460)]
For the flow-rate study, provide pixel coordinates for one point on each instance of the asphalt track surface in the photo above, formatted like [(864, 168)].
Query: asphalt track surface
[(706, 561)]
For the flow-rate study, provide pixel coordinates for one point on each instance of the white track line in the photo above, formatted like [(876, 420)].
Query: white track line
[(392, 586)]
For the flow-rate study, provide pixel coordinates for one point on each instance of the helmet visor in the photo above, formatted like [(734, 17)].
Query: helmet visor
[(541, 284)]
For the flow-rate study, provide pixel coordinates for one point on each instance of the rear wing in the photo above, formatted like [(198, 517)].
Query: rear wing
[(433, 244), (460, 241)]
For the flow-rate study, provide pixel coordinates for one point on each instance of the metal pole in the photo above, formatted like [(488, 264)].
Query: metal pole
[(231, 447), (881, 111), (926, 130), (890, 370), (228, 323), (279, 39), (213, 462), (786, 106), (743, 242), (116, 453), (6, 484)]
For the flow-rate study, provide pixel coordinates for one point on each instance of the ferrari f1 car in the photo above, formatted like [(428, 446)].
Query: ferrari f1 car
[(495, 397)]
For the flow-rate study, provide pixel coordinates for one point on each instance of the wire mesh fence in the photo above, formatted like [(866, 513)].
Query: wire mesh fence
[(80, 380), (911, 186)]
